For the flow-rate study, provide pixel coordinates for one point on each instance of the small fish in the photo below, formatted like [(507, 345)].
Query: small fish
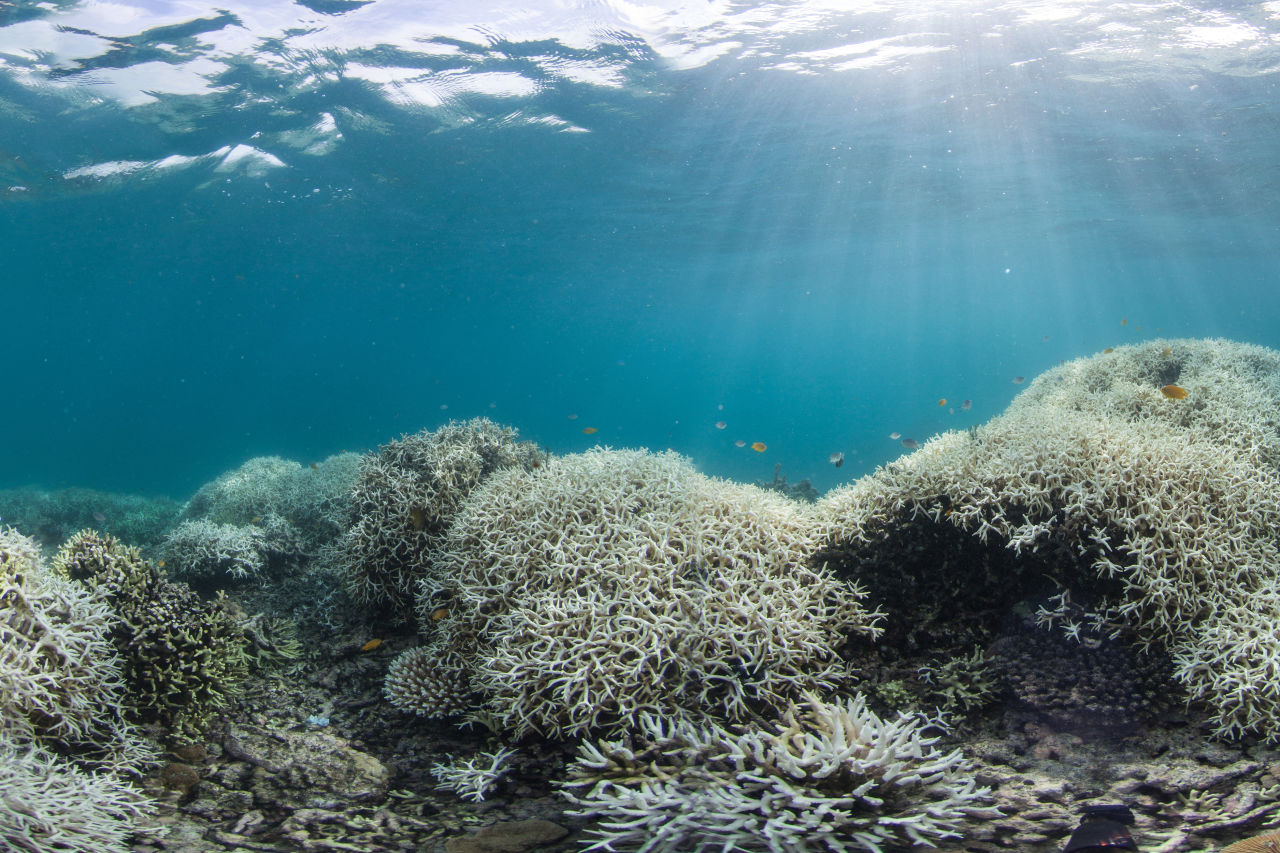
[(589, 430), (160, 565), (1045, 339), (1018, 380), (739, 443), (720, 407), (1174, 392), (418, 517), (315, 467), (370, 646), (99, 517), (255, 519), (942, 401), (759, 446), (966, 405), (439, 613), (1108, 350), (1166, 352), (573, 417), (836, 459), (721, 424), (1124, 321), (894, 436), (910, 443)]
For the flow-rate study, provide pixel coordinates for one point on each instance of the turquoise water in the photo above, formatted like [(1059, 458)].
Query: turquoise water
[(270, 227)]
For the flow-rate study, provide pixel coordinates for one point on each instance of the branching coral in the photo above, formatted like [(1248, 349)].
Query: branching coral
[(1162, 509), (472, 778), (47, 804), (60, 678), (428, 681), (405, 497), (183, 656), (202, 551), (829, 777), (609, 584)]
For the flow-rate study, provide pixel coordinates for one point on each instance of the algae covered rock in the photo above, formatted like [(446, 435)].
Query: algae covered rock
[(307, 770)]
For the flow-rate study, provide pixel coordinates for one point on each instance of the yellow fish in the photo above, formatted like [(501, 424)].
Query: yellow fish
[(370, 646), (759, 446), (1174, 392), (439, 613), (589, 430)]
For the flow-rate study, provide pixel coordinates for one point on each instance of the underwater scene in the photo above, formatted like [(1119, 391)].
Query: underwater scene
[(684, 425)]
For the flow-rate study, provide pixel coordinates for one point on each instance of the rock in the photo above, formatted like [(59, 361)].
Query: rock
[(179, 777), (307, 769), (513, 836)]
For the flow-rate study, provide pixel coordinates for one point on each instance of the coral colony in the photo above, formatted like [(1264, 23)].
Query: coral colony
[(714, 649)]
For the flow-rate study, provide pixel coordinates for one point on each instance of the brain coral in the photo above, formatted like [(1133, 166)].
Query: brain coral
[(60, 677), (829, 777), (607, 584), (406, 495), (1161, 510)]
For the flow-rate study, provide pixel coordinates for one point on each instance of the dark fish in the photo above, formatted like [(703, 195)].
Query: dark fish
[(910, 443), (836, 459)]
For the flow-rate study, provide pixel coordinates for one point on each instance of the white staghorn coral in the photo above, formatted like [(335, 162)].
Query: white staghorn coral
[(609, 584), (405, 497), (1162, 509), (60, 678), (830, 777), (472, 778)]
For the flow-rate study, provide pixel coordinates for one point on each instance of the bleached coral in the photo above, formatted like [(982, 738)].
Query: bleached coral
[(204, 551), (609, 584), (829, 777), (428, 681), (47, 804), (1162, 509), (472, 778), (405, 497), (61, 681)]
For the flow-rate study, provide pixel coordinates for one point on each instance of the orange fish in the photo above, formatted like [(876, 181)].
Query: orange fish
[(1174, 392), (439, 613), (942, 401), (589, 430), (370, 646), (759, 446), (1124, 321), (160, 564)]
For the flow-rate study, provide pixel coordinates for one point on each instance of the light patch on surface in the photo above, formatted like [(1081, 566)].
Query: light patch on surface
[(140, 84)]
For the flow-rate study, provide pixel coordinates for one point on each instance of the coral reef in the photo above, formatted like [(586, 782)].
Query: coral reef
[(429, 681), (49, 805), (203, 550), (608, 584), (472, 778), (51, 516), (1162, 510), (183, 656), (61, 683), (314, 500), (405, 497), (829, 777)]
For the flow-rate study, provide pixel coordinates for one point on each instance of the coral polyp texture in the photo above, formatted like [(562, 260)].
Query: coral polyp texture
[(406, 495), (428, 681), (829, 777), (61, 682), (1155, 507), (609, 584), (183, 657)]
